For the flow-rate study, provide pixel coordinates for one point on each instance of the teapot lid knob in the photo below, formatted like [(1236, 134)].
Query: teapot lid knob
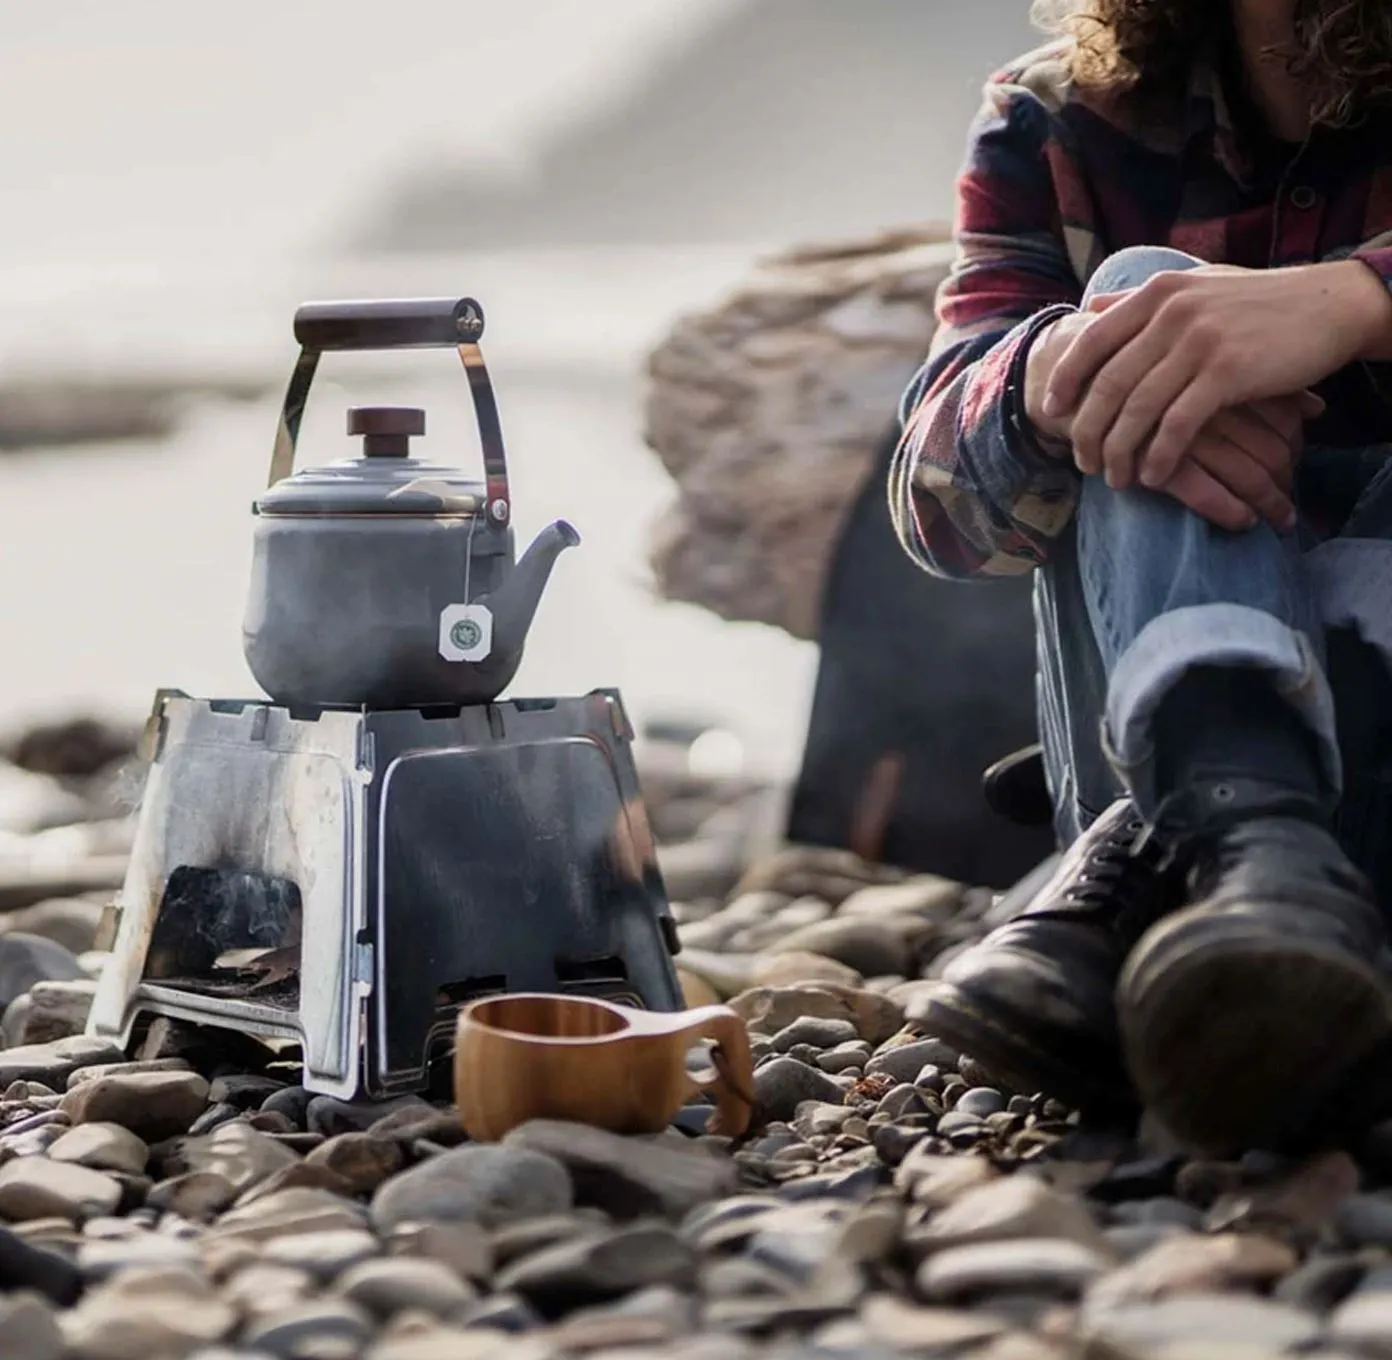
[(386, 430)]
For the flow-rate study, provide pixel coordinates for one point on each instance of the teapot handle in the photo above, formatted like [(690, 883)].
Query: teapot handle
[(401, 323)]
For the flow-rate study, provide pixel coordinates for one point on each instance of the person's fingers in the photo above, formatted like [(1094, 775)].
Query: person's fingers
[(1246, 477), (1208, 498), (1179, 427)]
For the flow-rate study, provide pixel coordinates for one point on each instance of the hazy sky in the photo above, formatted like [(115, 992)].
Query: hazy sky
[(140, 126)]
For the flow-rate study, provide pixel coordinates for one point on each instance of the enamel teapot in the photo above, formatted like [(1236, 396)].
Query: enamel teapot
[(384, 581)]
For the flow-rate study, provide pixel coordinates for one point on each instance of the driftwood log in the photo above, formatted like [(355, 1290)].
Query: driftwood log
[(767, 411)]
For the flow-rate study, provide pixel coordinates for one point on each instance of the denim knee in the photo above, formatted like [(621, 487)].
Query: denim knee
[(1131, 267)]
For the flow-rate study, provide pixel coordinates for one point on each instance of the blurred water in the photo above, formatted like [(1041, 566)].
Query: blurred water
[(123, 568)]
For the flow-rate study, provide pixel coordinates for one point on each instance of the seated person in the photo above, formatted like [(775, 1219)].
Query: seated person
[(1174, 268)]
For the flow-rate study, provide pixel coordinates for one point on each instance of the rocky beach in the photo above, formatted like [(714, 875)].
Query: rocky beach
[(190, 1199)]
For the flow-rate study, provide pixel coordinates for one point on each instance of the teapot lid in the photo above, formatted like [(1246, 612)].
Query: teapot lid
[(386, 480)]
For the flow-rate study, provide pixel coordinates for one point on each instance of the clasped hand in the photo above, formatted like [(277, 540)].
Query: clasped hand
[(1196, 383)]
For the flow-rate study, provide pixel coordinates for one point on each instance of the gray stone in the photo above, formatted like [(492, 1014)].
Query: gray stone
[(923, 895), (292, 1102), (501, 1312), (1055, 1266), (196, 1195), (603, 1266), (482, 1184), (35, 1187), (1211, 1319), (235, 1152), (819, 1033), (245, 1090), (363, 1160), (70, 922), (142, 1317), (101, 1258), (464, 1247), (845, 1056), (299, 1209), (980, 1101), (104, 1147), (259, 1290), (329, 1115), (29, 1328), (1162, 1209), (52, 1010), (389, 1286), (958, 1122), (906, 1099), (904, 1062), (512, 1241), (1361, 1220), (1321, 1282), (154, 1105), (782, 1084), (1365, 1322), (324, 1254), (870, 946), (310, 1329), (629, 1177), (53, 1063), (770, 1009), (121, 1068), (908, 1327), (27, 959)]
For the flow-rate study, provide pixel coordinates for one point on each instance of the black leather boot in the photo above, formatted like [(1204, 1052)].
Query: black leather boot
[(1034, 1001), (1241, 1014)]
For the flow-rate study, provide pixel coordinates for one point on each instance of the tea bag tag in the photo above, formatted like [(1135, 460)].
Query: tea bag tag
[(466, 632)]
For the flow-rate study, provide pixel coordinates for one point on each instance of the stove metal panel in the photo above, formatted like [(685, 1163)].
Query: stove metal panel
[(504, 845)]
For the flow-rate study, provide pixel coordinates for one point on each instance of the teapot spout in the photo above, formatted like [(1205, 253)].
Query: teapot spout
[(514, 603)]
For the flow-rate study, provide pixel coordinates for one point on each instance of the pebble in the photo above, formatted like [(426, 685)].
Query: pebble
[(819, 1033), (1187, 1264), (905, 1061), (325, 1329), (36, 1187), (597, 1267), (1050, 1265), (629, 1177), (478, 1184), (329, 1115), (323, 1254), (26, 1267), (1365, 1220), (869, 946), (770, 1009), (153, 1105), (845, 1057), (235, 1152), (104, 1147), (1210, 1320), (55, 1062), (393, 1284), (363, 1160), (980, 1101), (1365, 1321), (1009, 1207), (782, 1084), (465, 1248), (29, 1328), (1321, 1282), (196, 1195)]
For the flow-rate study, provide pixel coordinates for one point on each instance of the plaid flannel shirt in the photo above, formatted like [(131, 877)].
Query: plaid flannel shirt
[(1057, 178)]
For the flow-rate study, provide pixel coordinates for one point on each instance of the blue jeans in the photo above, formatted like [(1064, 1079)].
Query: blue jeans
[(1141, 589)]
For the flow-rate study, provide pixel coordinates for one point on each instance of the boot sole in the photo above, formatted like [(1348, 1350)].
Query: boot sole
[(1236, 1037), (1016, 1057)]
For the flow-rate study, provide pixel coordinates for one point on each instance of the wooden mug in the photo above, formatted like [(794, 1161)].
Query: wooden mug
[(531, 1055)]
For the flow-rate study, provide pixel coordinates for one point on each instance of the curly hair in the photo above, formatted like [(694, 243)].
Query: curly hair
[(1344, 47)]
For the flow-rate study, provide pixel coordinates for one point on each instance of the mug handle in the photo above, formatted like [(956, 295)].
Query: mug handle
[(736, 1106)]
